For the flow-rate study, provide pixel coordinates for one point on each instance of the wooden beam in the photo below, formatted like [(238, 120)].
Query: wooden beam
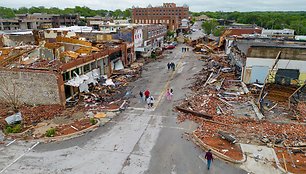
[(266, 79), (285, 164), (194, 113), (289, 99)]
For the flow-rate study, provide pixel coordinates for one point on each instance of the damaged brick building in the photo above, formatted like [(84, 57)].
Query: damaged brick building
[(52, 72)]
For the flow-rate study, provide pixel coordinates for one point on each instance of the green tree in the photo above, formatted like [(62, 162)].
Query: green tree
[(22, 10), (117, 13), (209, 26), (6, 12), (218, 31), (127, 13)]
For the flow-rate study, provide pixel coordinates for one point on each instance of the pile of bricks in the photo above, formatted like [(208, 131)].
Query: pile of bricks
[(211, 101)]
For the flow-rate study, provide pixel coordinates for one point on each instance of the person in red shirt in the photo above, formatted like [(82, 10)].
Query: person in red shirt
[(147, 94), (209, 158)]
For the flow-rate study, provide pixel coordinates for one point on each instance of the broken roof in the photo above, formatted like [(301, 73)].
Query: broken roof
[(288, 52), (241, 31)]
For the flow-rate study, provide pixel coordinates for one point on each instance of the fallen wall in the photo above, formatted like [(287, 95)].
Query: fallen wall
[(30, 87)]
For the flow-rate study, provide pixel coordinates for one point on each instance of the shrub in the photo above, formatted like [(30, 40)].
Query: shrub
[(8, 129), (13, 128), (92, 121), (153, 56), (50, 132), (17, 128)]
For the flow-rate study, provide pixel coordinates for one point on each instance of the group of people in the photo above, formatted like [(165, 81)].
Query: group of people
[(171, 65), (184, 49), (147, 97)]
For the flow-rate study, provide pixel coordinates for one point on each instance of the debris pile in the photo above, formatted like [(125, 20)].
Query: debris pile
[(232, 110), (31, 115), (301, 108), (111, 93)]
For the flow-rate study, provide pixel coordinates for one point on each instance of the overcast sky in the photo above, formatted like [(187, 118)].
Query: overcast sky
[(195, 5)]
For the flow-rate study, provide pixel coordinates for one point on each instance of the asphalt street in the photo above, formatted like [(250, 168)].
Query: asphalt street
[(138, 140)]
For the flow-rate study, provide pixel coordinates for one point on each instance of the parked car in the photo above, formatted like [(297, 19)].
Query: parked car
[(169, 47)]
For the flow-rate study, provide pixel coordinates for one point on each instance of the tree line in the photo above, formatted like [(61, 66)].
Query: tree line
[(82, 11), (269, 20)]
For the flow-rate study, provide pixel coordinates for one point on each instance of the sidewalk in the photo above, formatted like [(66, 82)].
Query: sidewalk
[(260, 159), (1, 136)]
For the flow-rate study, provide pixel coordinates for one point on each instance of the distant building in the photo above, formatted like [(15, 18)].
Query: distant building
[(254, 57), (202, 18), (286, 33), (97, 20), (240, 31), (290, 69), (38, 21), (168, 14), (232, 24), (153, 38)]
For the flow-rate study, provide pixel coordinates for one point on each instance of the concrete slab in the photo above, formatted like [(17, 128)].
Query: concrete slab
[(260, 159)]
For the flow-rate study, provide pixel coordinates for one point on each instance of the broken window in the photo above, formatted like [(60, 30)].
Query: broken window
[(75, 71), (66, 76), (93, 65), (86, 68)]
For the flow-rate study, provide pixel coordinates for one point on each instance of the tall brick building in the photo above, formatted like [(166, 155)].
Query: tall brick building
[(168, 14)]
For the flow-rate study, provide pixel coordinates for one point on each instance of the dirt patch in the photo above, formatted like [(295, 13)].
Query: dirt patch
[(76, 126), (231, 150), (298, 159)]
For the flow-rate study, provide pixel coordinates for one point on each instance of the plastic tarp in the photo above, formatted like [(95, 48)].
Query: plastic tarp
[(90, 77), (84, 87), (14, 118), (118, 65), (77, 81), (109, 82)]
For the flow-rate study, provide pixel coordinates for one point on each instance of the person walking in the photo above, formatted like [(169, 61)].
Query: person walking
[(173, 66), (151, 101), (169, 66), (171, 94), (148, 100), (168, 94), (209, 158), (141, 96), (147, 94)]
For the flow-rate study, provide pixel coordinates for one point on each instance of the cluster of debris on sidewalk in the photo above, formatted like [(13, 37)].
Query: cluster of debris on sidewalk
[(107, 95), (228, 112)]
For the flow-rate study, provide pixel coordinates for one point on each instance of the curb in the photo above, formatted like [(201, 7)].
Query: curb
[(63, 137), (204, 146)]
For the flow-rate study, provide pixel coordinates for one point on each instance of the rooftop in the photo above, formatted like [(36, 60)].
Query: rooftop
[(288, 52), (42, 57)]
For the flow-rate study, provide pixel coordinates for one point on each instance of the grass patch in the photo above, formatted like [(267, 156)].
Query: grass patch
[(51, 132)]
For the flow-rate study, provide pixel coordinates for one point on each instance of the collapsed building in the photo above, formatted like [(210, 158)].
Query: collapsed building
[(254, 57), (68, 60), (52, 72)]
